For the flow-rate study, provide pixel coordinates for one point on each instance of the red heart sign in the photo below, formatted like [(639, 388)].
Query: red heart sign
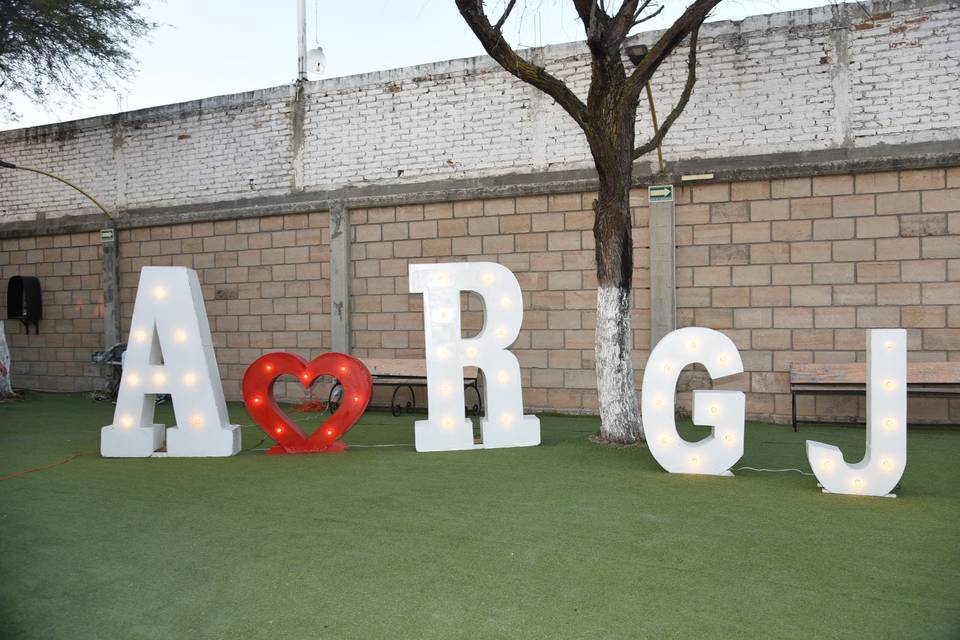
[(258, 383)]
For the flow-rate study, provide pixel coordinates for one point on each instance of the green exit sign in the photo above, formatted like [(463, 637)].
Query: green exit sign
[(107, 235), (660, 193)]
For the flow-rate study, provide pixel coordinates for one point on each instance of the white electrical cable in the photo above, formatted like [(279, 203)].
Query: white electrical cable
[(773, 470)]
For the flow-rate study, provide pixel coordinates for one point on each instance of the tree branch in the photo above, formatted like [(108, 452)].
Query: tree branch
[(692, 18), (493, 42), (658, 136), (649, 16), (622, 22), (506, 14), (643, 7), (585, 9)]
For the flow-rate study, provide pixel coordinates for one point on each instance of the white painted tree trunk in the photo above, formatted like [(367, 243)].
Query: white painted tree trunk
[(6, 387), (619, 409)]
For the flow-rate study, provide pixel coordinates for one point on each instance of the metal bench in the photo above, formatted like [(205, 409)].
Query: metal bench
[(407, 374), (932, 379)]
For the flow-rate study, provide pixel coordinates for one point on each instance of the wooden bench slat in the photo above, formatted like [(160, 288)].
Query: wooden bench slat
[(856, 373), (404, 368)]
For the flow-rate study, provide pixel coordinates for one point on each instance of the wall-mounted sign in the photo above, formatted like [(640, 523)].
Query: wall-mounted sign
[(107, 235), (660, 193)]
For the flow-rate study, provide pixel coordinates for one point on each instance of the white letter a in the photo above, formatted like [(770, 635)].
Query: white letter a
[(170, 351)]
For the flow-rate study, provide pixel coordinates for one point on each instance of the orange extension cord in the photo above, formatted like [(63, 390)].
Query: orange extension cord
[(24, 472)]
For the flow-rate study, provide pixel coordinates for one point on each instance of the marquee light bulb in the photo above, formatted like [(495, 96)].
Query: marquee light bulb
[(268, 367), (180, 335), (888, 346), (257, 400), (858, 483), (887, 464), (472, 352), (728, 438), (331, 432), (714, 409), (126, 422), (279, 429), (447, 423), (722, 358), (692, 345), (443, 352), (189, 379), (133, 379), (827, 465), (159, 378), (658, 402), (506, 419), (343, 368), (488, 278), (889, 385), (197, 420), (889, 424), (695, 461), (159, 293), (503, 377), (305, 375), (445, 389), (506, 302), (356, 398), (664, 440), (501, 332), (666, 367), (139, 335)]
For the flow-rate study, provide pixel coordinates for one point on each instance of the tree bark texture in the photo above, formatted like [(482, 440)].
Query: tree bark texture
[(611, 137)]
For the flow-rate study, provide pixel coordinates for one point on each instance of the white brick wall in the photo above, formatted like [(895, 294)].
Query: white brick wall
[(792, 81)]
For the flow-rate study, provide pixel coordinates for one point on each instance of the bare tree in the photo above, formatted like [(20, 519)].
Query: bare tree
[(607, 120)]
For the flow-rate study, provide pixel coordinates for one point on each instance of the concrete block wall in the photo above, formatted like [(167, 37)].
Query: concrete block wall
[(793, 270), (69, 267), (547, 241), (797, 270), (850, 75), (266, 284)]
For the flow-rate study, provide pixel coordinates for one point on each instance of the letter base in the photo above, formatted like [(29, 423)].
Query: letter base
[(133, 443)]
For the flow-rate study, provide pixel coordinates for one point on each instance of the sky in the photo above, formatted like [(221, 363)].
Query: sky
[(203, 48)]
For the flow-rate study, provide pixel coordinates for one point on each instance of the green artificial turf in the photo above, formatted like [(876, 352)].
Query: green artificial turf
[(566, 540)]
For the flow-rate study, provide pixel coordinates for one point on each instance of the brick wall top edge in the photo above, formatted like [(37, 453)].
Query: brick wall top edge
[(718, 29)]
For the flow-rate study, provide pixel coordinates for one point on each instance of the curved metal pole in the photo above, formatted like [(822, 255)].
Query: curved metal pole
[(653, 115), (10, 165)]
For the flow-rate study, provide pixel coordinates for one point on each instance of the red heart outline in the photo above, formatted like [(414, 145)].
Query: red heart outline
[(258, 383)]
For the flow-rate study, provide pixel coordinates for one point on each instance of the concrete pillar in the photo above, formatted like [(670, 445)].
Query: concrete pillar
[(111, 286), (340, 276), (663, 273)]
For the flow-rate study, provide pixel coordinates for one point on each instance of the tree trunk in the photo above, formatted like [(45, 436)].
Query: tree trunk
[(619, 411), (6, 387), (612, 147)]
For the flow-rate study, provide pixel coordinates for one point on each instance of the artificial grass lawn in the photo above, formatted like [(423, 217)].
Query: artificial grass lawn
[(566, 540)]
